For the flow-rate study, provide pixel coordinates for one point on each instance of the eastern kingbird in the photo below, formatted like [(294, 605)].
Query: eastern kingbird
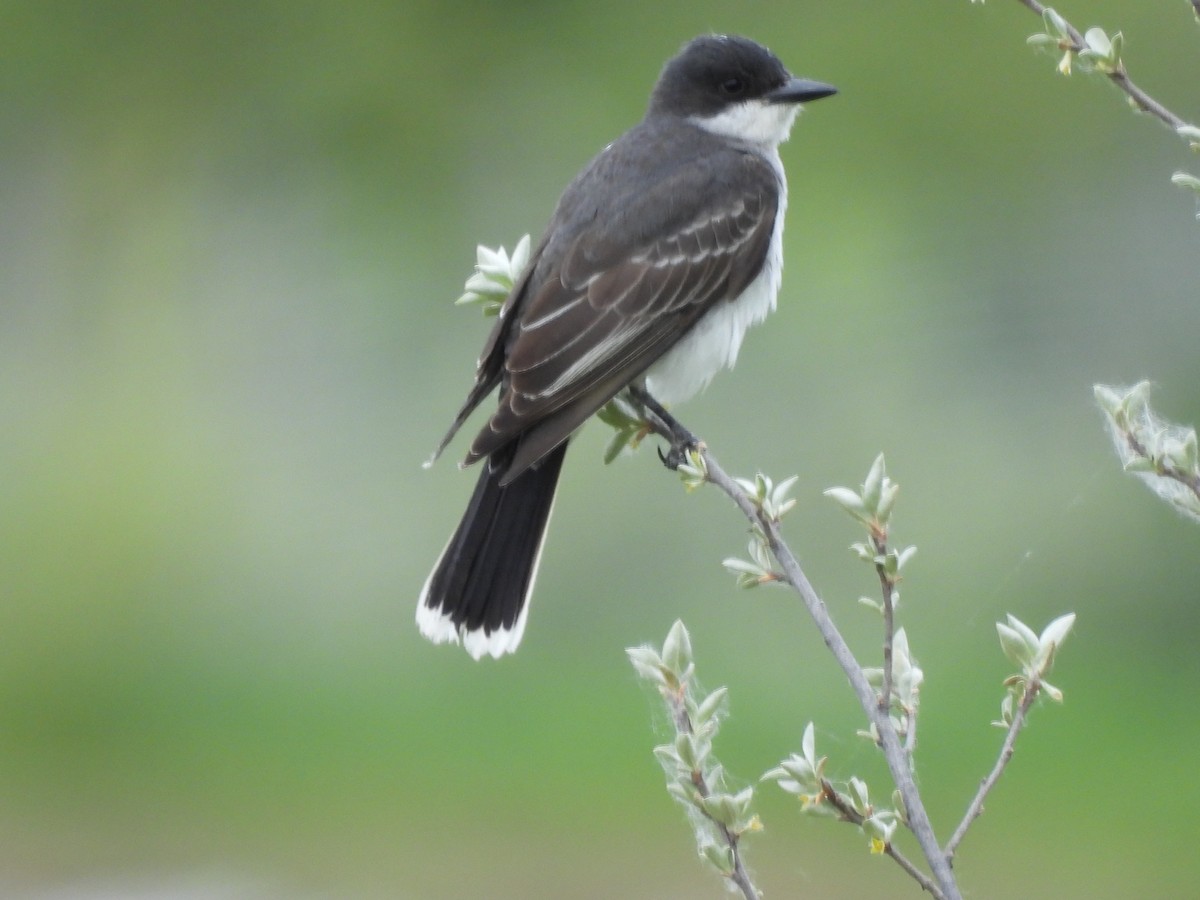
[(659, 256)]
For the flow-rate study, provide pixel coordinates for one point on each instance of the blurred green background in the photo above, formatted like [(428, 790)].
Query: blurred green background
[(231, 235)]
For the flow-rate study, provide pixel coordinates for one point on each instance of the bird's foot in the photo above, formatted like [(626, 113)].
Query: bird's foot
[(681, 446), (682, 440)]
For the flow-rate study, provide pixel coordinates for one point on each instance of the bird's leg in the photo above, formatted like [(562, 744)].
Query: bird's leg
[(668, 426)]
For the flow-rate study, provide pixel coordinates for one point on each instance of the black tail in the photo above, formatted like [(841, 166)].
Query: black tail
[(478, 591)]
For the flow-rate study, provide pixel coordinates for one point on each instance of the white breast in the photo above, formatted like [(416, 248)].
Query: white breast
[(714, 341)]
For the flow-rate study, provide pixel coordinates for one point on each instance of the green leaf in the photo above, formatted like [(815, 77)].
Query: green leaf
[(1056, 632), (1055, 24), (1191, 134), (1025, 631), (677, 648), (667, 757), (860, 797), (1187, 180), (710, 705), (873, 485), (616, 444), (808, 745), (1015, 647), (880, 827), (686, 750), (741, 566), (719, 856), (647, 663), (850, 501), (887, 500), (1107, 398), (721, 808), (1097, 41)]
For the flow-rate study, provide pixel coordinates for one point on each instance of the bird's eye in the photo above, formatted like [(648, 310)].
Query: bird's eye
[(732, 85)]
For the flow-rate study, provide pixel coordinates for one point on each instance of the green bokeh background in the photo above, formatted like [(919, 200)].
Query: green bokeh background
[(231, 233)]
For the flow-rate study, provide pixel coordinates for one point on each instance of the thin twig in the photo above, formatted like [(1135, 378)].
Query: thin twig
[(739, 875), (889, 741), (1032, 689), (1162, 467), (887, 587), (849, 814), (893, 750), (1120, 77)]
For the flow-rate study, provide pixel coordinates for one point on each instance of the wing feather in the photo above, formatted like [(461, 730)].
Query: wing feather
[(605, 305)]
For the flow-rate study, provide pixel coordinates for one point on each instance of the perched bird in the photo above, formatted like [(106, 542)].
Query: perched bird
[(659, 256)]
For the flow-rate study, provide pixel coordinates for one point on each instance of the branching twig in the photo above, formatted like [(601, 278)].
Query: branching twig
[(1164, 468), (1032, 689), (889, 741), (848, 813), (1119, 76), (893, 750), (887, 586), (739, 875), (1166, 456)]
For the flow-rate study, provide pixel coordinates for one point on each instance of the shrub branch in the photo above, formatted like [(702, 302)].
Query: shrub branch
[(1075, 42), (877, 712), (975, 808)]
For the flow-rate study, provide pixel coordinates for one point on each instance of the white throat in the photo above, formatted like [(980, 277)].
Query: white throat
[(754, 121)]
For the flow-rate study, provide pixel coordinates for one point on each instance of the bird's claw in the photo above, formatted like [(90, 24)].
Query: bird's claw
[(677, 455)]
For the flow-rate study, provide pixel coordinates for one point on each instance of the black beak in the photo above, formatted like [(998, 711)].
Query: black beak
[(800, 90)]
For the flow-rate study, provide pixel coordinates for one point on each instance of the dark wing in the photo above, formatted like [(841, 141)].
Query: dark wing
[(490, 367), (624, 290)]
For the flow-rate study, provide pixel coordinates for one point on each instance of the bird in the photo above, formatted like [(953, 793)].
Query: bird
[(659, 255)]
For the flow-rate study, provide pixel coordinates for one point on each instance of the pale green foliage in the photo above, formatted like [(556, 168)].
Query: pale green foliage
[(718, 814), (694, 472), (1101, 52), (1034, 656), (890, 694), (907, 679), (1191, 134), (1186, 179), (495, 274), (803, 776), (1162, 454), (773, 502), (770, 498), (625, 420), (872, 504)]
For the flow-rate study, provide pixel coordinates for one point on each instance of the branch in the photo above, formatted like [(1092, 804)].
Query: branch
[(1117, 75), (848, 813), (1034, 654), (739, 875), (877, 714), (1189, 480), (1166, 456), (719, 817), (887, 586), (889, 741), (975, 808)]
